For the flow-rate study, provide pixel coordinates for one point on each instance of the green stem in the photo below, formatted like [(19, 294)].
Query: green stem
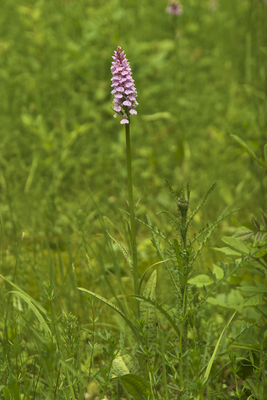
[(92, 344), (183, 341), (132, 216)]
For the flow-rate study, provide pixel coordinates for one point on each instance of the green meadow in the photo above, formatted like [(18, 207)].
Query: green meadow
[(201, 80)]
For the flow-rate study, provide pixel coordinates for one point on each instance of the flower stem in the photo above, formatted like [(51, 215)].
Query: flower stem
[(132, 216)]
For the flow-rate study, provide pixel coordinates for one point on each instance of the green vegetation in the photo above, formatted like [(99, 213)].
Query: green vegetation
[(201, 79)]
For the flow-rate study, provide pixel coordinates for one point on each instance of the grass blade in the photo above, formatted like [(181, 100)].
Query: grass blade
[(111, 305), (207, 373)]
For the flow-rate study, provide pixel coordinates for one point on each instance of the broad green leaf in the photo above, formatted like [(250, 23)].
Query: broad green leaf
[(217, 302), (261, 252), (256, 267), (150, 288), (32, 306), (146, 271), (255, 300), (226, 250), (132, 364), (252, 312), (261, 286), (125, 364), (138, 387), (244, 235), (234, 280), (235, 299), (236, 244), (218, 272), (262, 335), (120, 367), (6, 392), (201, 280), (252, 290), (115, 308), (124, 251), (148, 314), (207, 373), (245, 147)]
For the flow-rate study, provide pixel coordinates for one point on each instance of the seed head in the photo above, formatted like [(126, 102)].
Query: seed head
[(182, 202), (174, 8), (123, 87)]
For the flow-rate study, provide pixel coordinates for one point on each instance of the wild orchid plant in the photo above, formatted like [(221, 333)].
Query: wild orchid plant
[(174, 8), (144, 372)]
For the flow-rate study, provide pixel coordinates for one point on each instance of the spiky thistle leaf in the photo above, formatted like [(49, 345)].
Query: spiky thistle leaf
[(171, 191), (202, 202)]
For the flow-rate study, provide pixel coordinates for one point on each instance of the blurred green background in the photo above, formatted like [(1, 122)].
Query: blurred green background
[(199, 76)]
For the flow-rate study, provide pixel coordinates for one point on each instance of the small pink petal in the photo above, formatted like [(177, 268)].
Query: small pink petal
[(124, 121)]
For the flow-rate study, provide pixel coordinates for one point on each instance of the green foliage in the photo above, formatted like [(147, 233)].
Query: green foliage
[(248, 149), (136, 386), (144, 335), (148, 315), (56, 102), (199, 77)]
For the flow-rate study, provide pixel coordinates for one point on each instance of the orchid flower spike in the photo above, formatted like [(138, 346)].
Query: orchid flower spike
[(174, 8), (123, 87)]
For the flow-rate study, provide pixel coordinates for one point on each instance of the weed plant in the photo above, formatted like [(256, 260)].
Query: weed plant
[(177, 315)]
